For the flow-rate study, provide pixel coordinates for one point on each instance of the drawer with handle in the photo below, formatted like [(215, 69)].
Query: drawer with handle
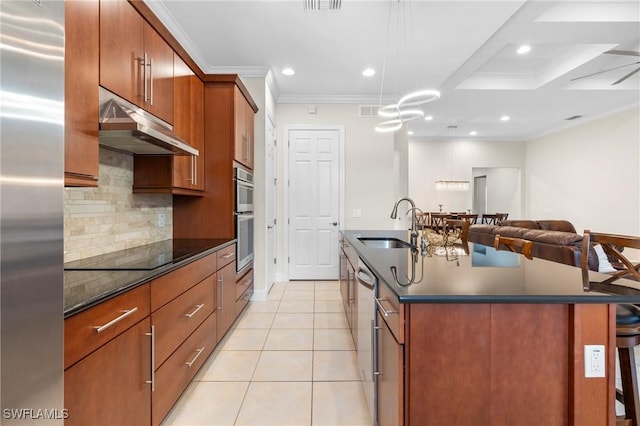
[(88, 330), (173, 284), (391, 310), (244, 299), (175, 321), (226, 255), (178, 370), (243, 284)]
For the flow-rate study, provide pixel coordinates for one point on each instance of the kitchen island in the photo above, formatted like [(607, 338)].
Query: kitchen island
[(488, 338)]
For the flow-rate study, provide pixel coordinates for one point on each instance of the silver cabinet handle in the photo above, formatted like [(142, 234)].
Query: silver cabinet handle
[(198, 307), (384, 311), (101, 328), (190, 363), (221, 293), (228, 255), (151, 80), (144, 77), (195, 169), (152, 382)]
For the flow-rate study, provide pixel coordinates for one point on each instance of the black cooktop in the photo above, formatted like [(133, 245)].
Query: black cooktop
[(143, 258)]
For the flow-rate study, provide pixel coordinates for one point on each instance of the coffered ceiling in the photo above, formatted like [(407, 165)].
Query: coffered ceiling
[(464, 49)]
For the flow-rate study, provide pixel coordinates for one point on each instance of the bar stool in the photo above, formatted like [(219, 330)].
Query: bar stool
[(627, 315), (627, 338)]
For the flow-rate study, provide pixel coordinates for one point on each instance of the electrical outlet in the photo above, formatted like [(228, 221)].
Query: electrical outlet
[(594, 361), (161, 221)]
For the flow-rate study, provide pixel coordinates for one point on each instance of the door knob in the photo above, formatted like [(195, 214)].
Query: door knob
[(335, 223)]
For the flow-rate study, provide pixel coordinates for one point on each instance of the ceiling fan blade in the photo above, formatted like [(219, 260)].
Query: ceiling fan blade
[(600, 72), (623, 52), (627, 76)]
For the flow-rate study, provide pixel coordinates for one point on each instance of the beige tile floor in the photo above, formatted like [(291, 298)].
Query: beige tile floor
[(289, 360)]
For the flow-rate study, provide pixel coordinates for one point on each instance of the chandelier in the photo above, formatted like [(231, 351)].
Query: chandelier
[(408, 107)]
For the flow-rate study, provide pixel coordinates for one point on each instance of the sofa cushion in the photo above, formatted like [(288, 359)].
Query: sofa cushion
[(556, 225), (482, 228), (512, 231), (552, 237), (520, 223)]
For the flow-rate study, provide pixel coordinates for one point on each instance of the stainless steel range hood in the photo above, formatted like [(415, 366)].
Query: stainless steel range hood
[(125, 127)]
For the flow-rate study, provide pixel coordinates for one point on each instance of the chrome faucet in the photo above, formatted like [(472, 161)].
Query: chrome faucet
[(414, 229)]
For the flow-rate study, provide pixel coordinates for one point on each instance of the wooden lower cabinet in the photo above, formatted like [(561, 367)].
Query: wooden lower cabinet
[(226, 298), (390, 377), (244, 290), (109, 387), (176, 372), (475, 364)]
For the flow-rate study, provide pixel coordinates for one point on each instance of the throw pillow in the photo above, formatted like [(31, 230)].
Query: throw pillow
[(603, 262)]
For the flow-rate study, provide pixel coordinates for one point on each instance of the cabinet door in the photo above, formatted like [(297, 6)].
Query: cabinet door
[(241, 140), (81, 77), (159, 75), (121, 49), (249, 127), (344, 282), (390, 380), (109, 387), (197, 131), (182, 164), (226, 298)]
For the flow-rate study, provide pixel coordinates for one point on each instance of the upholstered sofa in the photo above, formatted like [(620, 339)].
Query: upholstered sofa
[(555, 240)]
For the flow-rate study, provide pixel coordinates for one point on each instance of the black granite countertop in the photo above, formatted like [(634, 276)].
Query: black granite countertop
[(483, 276), (90, 281)]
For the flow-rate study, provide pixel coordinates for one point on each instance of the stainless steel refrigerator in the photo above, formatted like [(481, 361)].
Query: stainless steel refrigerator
[(31, 211)]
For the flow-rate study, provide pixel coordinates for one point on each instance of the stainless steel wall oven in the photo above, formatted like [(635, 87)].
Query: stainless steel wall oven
[(244, 217)]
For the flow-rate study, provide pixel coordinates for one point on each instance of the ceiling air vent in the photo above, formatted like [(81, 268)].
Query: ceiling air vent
[(322, 4), (573, 117), (368, 111)]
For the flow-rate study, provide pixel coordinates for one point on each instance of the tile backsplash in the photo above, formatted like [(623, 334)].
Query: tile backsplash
[(111, 218)]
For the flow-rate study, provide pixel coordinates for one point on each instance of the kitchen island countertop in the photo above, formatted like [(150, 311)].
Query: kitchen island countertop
[(484, 275)]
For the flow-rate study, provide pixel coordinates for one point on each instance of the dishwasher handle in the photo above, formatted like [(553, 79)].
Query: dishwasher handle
[(370, 281)]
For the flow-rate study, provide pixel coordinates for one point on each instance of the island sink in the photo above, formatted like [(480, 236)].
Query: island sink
[(384, 242)]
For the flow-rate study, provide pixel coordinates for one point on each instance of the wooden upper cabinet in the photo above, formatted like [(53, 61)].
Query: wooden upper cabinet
[(243, 118), (135, 62), (159, 75), (180, 174), (188, 171), (81, 93), (121, 50)]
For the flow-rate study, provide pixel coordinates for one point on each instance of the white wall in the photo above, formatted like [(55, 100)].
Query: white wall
[(430, 161), (371, 165), (588, 174)]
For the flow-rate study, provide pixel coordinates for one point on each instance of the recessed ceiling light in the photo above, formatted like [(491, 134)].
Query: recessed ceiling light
[(523, 49), (473, 133), (369, 72), (288, 71), (505, 118), (410, 132), (428, 118)]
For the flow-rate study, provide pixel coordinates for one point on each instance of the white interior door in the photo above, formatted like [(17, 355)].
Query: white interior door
[(313, 199), (271, 167)]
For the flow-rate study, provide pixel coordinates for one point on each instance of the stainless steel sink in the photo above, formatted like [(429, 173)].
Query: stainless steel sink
[(383, 242)]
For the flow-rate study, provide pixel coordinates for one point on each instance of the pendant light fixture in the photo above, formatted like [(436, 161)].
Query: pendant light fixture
[(408, 107)]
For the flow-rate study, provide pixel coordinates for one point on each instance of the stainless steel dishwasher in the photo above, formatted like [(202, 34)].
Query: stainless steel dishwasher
[(366, 340)]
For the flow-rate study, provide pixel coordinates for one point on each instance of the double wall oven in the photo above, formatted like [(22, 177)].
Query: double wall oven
[(244, 216)]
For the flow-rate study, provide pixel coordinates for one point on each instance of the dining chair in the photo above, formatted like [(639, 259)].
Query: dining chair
[(472, 218), (627, 315), (458, 224), (516, 245), (438, 220), (490, 219)]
